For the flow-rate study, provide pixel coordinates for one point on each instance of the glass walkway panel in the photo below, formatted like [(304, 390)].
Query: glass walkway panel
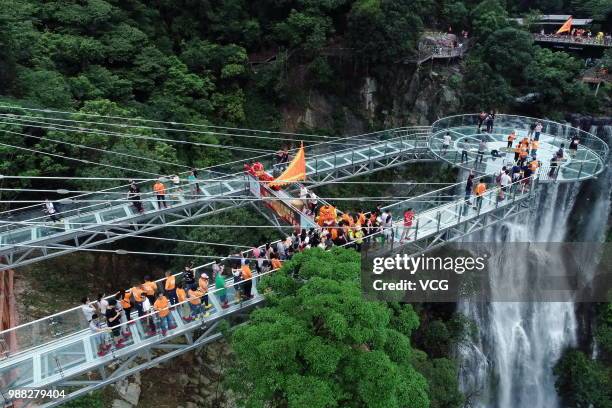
[(27, 236), (56, 351), (586, 162), (59, 350)]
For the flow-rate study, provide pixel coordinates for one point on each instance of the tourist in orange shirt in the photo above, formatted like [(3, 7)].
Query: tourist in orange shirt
[(170, 288), (511, 138), (195, 303), (162, 307), (160, 193), (138, 293), (247, 278), (480, 189), (150, 288), (183, 308), (276, 263), (203, 287)]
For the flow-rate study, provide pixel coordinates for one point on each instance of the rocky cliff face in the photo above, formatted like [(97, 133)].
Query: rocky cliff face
[(407, 96)]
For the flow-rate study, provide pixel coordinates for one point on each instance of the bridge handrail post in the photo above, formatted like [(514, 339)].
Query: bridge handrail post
[(416, 229), (439, 219), (459, 209), (580, 171), (497, 192)]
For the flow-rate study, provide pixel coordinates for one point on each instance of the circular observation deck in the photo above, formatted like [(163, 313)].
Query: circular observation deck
[(586, 162)]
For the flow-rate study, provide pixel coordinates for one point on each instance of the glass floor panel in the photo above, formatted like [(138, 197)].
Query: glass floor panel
[(113, 214), (56, 361), (17, 375), (82, 222), (17, 237), (42, 232)]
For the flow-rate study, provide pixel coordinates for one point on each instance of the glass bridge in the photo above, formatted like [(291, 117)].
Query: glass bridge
[(60, 352), (588, 161), (27, 236)]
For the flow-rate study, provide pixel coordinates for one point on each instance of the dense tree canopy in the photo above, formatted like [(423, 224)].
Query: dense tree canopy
[(318, 343)]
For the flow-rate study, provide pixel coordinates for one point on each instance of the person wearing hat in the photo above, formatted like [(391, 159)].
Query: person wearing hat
[(203, 287)]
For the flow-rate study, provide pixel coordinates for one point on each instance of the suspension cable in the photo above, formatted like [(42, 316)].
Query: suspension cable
[(73, 158), (45, 138), (64, 128), (158, 121)]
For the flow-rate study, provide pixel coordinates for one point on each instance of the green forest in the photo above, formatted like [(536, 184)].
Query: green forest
[(188, 61), (240, 63)]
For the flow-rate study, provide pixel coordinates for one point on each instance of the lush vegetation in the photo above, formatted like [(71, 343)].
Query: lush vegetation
[(198, 61), (318, 343), (188, 61), (584, 379)]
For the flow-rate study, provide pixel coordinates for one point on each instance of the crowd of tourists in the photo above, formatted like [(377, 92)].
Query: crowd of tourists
[(580, 35), (518, 172), (151, 302), (525, 162)]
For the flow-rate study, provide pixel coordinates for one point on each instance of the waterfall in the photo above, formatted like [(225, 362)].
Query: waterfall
[(510, 363)]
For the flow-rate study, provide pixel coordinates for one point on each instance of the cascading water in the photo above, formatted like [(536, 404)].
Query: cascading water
[(509, 364)]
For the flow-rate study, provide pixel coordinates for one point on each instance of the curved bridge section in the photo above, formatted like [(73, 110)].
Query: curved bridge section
[(466, 135)]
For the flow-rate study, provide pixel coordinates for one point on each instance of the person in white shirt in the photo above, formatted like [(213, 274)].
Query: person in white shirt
[(303, 192), (538, 129), (99, 338), (313, 202), (281, 250), (505, 181), (304, 196), (87, 309), (102, 304), (51, 211), (446, 142)]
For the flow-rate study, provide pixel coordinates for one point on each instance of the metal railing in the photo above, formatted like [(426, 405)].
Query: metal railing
[(570, 39), (60, 340), (14, 232), (591, 156)]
